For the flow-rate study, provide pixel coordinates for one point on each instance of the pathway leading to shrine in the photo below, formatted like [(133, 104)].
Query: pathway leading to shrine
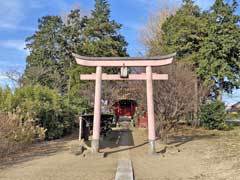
[(124, 168)]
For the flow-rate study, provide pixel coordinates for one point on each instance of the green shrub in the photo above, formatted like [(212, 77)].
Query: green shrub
[(213, 116), (6, 97), (45, 107)]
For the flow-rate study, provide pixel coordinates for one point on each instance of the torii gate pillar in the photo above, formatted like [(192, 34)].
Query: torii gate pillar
[(150, 110), (100, 62), (97, 110)]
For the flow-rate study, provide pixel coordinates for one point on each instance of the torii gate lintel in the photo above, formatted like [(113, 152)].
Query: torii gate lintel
[(147, 62)]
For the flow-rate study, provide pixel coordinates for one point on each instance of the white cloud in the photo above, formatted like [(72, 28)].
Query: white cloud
[(36, 4), (11, 13), (3, 77), (204, 4), (13, 44), (62, 5)]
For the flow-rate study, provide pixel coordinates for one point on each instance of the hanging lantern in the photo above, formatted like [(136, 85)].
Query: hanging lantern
[(124, 72)]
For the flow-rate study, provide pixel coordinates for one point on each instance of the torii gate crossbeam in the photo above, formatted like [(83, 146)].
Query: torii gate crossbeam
[(147, 62)]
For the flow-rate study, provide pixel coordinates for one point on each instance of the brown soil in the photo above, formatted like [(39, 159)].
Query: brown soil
[(189, 154)]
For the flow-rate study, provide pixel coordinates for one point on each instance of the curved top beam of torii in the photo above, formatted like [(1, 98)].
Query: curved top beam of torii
[(124, 61)]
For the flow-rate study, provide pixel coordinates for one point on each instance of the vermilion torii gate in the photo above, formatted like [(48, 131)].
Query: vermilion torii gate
[(100, 62)]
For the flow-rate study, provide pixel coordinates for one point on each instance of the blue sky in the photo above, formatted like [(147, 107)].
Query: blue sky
[(18, 20)]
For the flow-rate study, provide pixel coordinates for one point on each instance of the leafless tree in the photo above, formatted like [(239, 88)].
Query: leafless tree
[(174, 98), (14, 76), (40, 75), (151, 34)]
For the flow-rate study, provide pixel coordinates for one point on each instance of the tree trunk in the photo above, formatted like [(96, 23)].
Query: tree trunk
[(69, 82), (219, 97), (220, 91), (196, 122)]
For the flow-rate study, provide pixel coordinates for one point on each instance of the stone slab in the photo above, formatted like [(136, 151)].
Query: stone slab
[(124, 170)]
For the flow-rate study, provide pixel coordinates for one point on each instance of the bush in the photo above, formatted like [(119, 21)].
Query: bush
[(14, 134), (213, 115), (45, 107), (5, 99)]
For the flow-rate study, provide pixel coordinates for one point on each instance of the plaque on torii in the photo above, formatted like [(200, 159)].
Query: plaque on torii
[(100, 62)]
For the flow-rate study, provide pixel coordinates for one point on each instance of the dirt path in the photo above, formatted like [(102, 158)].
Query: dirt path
[(198, 156), (53, 160), (61, 166), (188, 156)]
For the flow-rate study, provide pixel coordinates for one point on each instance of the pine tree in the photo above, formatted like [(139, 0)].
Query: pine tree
[(50, 60), (184, 32), (209, 40), (45, 53), (101, 33), (51, 63), (73, 42), (219, 63)]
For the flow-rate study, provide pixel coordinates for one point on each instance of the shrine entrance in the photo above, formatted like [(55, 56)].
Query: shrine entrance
[(124, 63)]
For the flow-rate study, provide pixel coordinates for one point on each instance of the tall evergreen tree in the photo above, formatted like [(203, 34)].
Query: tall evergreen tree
[(45, 53), (51, 63), (219, 57), (184, 32), (50, 60), (209, 40), (73, 42), (101, 34)]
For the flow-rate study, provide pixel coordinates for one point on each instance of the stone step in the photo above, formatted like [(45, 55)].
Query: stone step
[(124, 170)]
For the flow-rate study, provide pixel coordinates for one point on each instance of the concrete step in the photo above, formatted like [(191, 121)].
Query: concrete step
[(124, 170)]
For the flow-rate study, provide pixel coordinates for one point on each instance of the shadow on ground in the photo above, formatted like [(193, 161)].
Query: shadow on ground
[(125, 149), (117, 146), (119, 140), (37, 150), (180, 140), (109, 145), (177, 141)]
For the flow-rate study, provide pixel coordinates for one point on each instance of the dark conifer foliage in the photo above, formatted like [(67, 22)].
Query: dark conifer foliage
[(50, 62)]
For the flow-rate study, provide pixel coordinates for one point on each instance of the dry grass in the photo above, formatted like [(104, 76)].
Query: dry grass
[(8, 127), (14, 134)]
